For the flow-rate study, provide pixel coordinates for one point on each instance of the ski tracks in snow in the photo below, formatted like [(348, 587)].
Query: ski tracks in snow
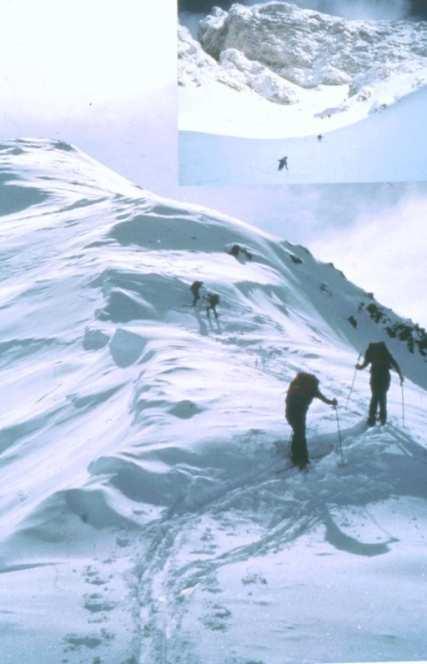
[(187, 550), (263, 515)]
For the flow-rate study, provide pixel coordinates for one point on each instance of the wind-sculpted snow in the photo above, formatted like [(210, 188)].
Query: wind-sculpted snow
[(140, 440)]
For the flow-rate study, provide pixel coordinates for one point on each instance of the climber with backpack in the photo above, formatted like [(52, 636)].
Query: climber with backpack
[(195, 289), (212, 301), (381, 361), (301, 392)]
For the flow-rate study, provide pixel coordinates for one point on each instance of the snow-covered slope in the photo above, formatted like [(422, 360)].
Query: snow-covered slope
[(388, 146), (313, 65), (141, 513)]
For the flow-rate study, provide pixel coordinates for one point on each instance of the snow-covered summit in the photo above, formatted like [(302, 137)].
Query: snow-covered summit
[(294, 56), (137, 437)]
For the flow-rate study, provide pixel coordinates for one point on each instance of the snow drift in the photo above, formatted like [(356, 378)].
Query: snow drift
[(141, 508)]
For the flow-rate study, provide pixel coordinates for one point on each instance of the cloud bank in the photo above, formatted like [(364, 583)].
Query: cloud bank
[(354, 9), (385, 252), (361, 9)]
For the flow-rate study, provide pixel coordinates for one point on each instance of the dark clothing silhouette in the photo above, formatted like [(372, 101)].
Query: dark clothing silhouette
[(195, 289), (283, 162), (379, 389), (237, 249), (301, 392), (319, 138), (212, 301), (381, 361)]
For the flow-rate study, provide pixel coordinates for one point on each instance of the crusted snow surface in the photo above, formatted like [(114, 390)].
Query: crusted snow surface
[(315, 62), (148, 511)]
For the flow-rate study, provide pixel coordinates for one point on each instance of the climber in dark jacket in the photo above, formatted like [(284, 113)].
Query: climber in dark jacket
[(195, 289), (301, 392), (381, 361), (236, 250), (212, 301), (283, 162)]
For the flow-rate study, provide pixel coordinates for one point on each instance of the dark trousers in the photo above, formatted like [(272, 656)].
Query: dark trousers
[(299, 453), (379, 388), (208, 311)]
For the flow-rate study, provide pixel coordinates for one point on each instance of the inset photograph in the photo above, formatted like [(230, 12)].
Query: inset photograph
[(313, 91)]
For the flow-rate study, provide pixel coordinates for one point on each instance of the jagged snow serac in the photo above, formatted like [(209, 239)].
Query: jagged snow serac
[(293, 56)]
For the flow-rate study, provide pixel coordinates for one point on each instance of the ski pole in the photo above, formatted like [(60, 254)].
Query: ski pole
[(403, 405), (339, 437), (353, 381)]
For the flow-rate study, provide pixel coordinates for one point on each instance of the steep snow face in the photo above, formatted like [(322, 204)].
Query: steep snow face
[(140, 503), (290, 55), (388, 146)]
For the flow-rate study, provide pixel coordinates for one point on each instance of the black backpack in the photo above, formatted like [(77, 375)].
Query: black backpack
[(213, 299), (304, 384), (378, 354), (196, 286)]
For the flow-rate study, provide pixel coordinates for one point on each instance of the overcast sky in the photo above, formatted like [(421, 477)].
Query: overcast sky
[(97, 73), (101, 74)]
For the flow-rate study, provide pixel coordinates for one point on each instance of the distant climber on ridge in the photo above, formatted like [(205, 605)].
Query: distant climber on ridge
[(236, 250), (381, 361), (283, 162), (301, 392), (195, 289), (319, 137), (212, 301)]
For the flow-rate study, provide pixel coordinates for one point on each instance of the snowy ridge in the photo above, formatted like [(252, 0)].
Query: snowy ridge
[(329, 68), (138, 439)]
